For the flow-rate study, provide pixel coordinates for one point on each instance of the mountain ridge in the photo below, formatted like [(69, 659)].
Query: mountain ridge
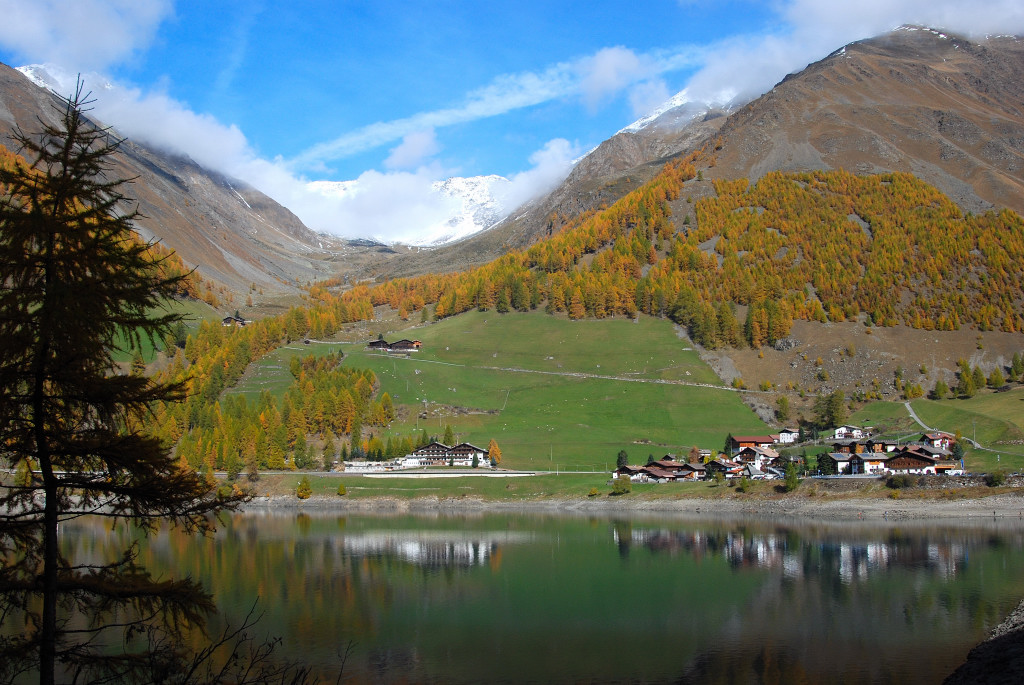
[(232, 233), (801, 124)]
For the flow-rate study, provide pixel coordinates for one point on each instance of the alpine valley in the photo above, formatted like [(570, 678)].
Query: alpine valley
[(871, 200)]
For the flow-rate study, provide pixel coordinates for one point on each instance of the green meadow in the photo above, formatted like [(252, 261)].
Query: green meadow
[(192, 311), (557, 395), (995, 419)]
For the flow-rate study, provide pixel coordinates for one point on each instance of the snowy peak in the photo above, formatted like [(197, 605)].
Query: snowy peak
[(481, 204), (469, 205), (679, 111), (60, 81), (678, 100)]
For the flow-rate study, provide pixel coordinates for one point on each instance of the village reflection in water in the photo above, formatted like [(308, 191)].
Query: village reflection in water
[(798, 557), (432, 549), (796, 552)]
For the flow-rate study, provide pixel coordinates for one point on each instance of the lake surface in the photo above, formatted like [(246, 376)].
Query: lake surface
[(553, 599)]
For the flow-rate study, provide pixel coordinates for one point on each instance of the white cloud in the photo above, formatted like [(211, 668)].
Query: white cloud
[(747, 66), (645, 97), (414, 149), (398, 206), (609, 72), (89, 34), (551, 164), (594, 78)]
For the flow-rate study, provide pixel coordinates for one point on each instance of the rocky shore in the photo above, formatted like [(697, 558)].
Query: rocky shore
[(999, 660)]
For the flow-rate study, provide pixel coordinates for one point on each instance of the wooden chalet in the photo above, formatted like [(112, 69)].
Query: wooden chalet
[(466, 452), (910, 461), (848, 447), (233, 321), (728, 469), (434, 454), (692, 472), (879, 445), (439, 454), (634, 473), (780, 463), (377, 345), (868, 462), (664, 470), (405, 345)]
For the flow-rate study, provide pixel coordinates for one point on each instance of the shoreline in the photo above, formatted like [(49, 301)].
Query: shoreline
[(1004, 506)]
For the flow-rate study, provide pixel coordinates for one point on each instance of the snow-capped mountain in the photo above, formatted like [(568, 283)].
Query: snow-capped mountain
[(481, 199), (470, 205)]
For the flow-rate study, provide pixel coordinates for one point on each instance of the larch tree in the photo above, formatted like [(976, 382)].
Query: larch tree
[(494, 452), (77, 283)]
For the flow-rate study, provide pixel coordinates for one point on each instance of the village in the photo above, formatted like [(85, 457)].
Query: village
[(853, 452)]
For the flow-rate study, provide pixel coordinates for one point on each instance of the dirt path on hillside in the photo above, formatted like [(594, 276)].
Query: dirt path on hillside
[(581, 374)]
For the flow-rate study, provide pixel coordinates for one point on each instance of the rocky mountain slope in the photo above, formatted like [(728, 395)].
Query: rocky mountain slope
[(947, 109), (233, 234)]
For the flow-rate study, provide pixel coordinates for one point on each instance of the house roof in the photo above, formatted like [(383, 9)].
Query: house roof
[(763, 451), (432, 448), (840, 456), (659, 473), (754, 438), (911, 454), (467, 447)]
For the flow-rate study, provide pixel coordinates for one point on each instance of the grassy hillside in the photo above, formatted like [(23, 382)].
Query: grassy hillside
[(555, 394), (193, 312), (995, 419)]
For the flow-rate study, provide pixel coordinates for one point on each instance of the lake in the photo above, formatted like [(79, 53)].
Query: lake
[(555, 599)]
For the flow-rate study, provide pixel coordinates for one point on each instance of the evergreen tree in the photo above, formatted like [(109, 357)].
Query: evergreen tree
[(301, 455), (357, 438), (78, 284), (449, 436), (1016, 367), (978, 376), (782, 408), (329, 451), (622, 459), (957, 451)]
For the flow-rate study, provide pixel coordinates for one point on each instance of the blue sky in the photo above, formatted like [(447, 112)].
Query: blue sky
[(398, 93)]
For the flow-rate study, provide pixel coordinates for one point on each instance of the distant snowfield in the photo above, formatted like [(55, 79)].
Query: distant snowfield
[(477, 204)]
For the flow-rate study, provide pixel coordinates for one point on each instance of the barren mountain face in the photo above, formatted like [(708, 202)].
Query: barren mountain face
[(946, 109), (232, 233)]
